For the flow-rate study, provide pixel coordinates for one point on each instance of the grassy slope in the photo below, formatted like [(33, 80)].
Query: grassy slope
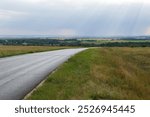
[(15, 50), (104, 73)]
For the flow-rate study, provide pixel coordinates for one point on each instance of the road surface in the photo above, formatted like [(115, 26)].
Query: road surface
[(21, 74)]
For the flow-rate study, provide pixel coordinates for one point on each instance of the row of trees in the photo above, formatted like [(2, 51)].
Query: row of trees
[(71, 42)]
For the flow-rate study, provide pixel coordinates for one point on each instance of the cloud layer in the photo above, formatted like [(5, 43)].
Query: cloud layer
[(74, 17)]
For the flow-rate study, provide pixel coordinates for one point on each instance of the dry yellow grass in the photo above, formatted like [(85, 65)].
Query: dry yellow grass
[(15, 50)]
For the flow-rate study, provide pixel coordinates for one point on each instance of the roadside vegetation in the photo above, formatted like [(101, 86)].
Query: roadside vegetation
[(100, 73), (16, 50)]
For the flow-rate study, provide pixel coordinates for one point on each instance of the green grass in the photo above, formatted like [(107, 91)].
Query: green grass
[(16, 50), (100, 73)]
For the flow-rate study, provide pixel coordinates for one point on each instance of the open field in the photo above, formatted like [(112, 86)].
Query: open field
[(16, 50), (100, 73), (115, 42)]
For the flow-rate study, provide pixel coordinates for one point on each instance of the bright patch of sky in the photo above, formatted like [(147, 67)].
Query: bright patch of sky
[(75, 17)]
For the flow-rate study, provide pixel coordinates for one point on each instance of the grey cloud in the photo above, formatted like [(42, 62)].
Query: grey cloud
[(90, 20)]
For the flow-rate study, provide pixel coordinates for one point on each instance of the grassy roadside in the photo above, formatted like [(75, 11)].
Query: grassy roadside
[(16, 50), (100, 73)]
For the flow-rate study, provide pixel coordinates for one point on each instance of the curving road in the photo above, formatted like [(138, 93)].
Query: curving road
[(20, 74)]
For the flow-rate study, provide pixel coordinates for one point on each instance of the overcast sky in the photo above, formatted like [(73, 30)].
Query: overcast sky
[(75, 17)]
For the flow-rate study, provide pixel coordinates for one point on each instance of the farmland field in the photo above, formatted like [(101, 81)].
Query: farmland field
[(100, 73), (16, 50)]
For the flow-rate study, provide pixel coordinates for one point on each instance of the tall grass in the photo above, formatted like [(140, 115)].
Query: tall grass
[(100, 73), (15, 50)]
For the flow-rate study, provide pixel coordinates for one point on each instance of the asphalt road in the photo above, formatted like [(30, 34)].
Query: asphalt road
[(21, 74)]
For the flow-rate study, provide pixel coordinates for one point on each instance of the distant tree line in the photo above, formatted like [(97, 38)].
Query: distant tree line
[(72, 42), (120, 44)]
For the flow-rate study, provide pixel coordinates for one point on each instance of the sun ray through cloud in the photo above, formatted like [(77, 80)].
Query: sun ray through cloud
[(79, 17)]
